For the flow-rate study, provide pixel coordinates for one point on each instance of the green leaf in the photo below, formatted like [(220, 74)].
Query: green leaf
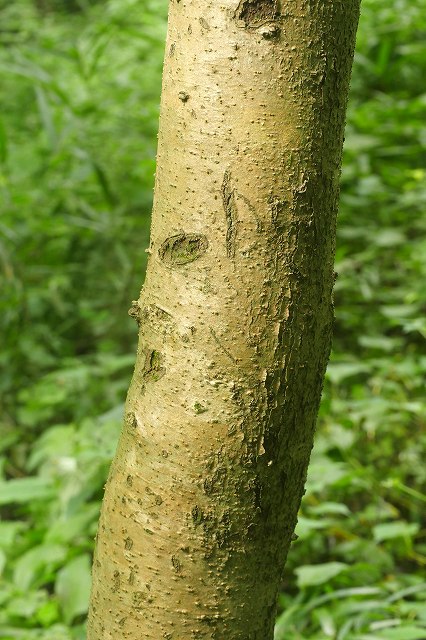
[(38, 559), (305, 526), (389, 238), (315, 574), (409, 591), (404, 633), (73, 587), (25, 606), (69, 528), (55, 442), (324, 473), (48, 613), (25, 490), (413, 610), (342, 594), (8, 531), (330, 508), (392, 530), (339, 371)]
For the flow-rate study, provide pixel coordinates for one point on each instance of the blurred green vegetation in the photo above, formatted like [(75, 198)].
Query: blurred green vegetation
[(80, 92)]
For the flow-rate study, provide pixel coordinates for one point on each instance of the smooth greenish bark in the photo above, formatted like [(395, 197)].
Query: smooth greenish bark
[(235, 321)]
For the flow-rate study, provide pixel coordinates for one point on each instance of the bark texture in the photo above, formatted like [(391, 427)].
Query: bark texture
[(235, 321)]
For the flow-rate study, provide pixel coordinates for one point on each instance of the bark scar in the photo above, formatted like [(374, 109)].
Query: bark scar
[(230, 207), (153, 369), (183, 248), (256, 13), (135, 311)]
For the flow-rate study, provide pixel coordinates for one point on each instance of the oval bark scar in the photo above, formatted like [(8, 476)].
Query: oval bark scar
[(203, 22), (255, 13), (153, 369), (183, 248)]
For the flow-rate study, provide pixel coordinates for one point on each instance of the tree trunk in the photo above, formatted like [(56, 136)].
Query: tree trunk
[(235, 321)]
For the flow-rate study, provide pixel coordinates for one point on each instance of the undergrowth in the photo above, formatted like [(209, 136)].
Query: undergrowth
[(80, 93)]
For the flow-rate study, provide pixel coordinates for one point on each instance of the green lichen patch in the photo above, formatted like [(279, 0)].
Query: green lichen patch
[(199, 408), (183, 248)]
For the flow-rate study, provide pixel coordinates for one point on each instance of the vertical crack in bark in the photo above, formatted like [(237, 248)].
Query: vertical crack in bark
[(230, 207)]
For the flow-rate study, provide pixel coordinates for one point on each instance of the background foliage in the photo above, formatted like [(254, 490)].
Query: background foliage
[(80, 91)]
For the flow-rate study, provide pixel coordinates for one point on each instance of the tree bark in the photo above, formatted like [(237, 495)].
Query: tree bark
[(235, 321)]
